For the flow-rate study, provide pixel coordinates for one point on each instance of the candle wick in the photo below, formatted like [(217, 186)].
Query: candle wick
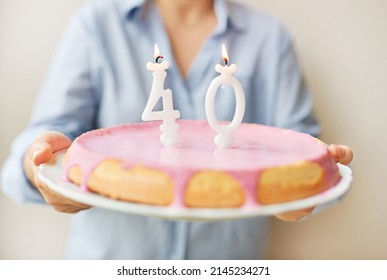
[(158, 58), (225, 61)]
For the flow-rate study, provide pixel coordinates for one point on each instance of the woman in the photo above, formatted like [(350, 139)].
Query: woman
[(98, 79)]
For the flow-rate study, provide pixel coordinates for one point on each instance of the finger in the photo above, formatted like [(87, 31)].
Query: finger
[(69, 206), (341, 153), (45, 145), (334, 151), (294, 216), (59, 202)]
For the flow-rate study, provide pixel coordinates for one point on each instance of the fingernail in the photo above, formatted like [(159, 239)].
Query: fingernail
[(36, 152)]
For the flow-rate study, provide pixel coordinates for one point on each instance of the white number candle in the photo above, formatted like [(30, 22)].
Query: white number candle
[(168, 115), (224, 138)]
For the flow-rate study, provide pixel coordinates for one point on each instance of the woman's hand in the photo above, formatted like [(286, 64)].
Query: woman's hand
[(41, 151), (339, 153)]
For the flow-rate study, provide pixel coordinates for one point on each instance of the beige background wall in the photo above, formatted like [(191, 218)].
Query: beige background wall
[(342, 46)]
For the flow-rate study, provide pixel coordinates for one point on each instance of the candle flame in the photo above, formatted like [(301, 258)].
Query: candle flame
[(157, 51), (224, 54)]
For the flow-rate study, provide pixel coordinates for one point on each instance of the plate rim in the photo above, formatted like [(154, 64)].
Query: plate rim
[(74, 192)]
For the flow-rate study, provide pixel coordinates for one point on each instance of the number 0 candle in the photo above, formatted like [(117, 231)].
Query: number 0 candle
[(224, 138), (168, 115)]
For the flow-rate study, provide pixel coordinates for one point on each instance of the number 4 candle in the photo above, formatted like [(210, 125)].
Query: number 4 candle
[(224, 137), (168, 115)]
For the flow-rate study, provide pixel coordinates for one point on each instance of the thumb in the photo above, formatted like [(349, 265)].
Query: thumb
[(45, 145), (341, 153)]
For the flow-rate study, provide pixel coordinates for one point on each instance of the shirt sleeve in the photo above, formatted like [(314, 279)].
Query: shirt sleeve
[(66, 103), (294, 102)]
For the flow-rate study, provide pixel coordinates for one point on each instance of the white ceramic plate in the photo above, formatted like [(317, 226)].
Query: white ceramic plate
[(51, 174)]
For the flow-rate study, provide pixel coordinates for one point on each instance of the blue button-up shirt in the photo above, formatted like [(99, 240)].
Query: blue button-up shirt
[(98, 79)]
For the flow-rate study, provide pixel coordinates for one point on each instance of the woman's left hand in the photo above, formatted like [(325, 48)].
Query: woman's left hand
[(340, 153)]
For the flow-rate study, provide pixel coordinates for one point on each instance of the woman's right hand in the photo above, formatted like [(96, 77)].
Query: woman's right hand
[(41, 151)]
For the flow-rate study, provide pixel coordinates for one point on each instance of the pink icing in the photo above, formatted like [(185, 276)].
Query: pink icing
[(256, 148)]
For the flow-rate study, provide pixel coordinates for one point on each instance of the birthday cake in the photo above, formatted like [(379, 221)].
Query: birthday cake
[(265, 165)]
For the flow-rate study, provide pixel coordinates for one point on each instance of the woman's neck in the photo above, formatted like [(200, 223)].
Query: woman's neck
[(188, 24), (185, 12)]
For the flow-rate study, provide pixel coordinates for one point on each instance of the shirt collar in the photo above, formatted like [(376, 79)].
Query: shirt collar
[(227, 13), (228, 16), (130, 8)]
